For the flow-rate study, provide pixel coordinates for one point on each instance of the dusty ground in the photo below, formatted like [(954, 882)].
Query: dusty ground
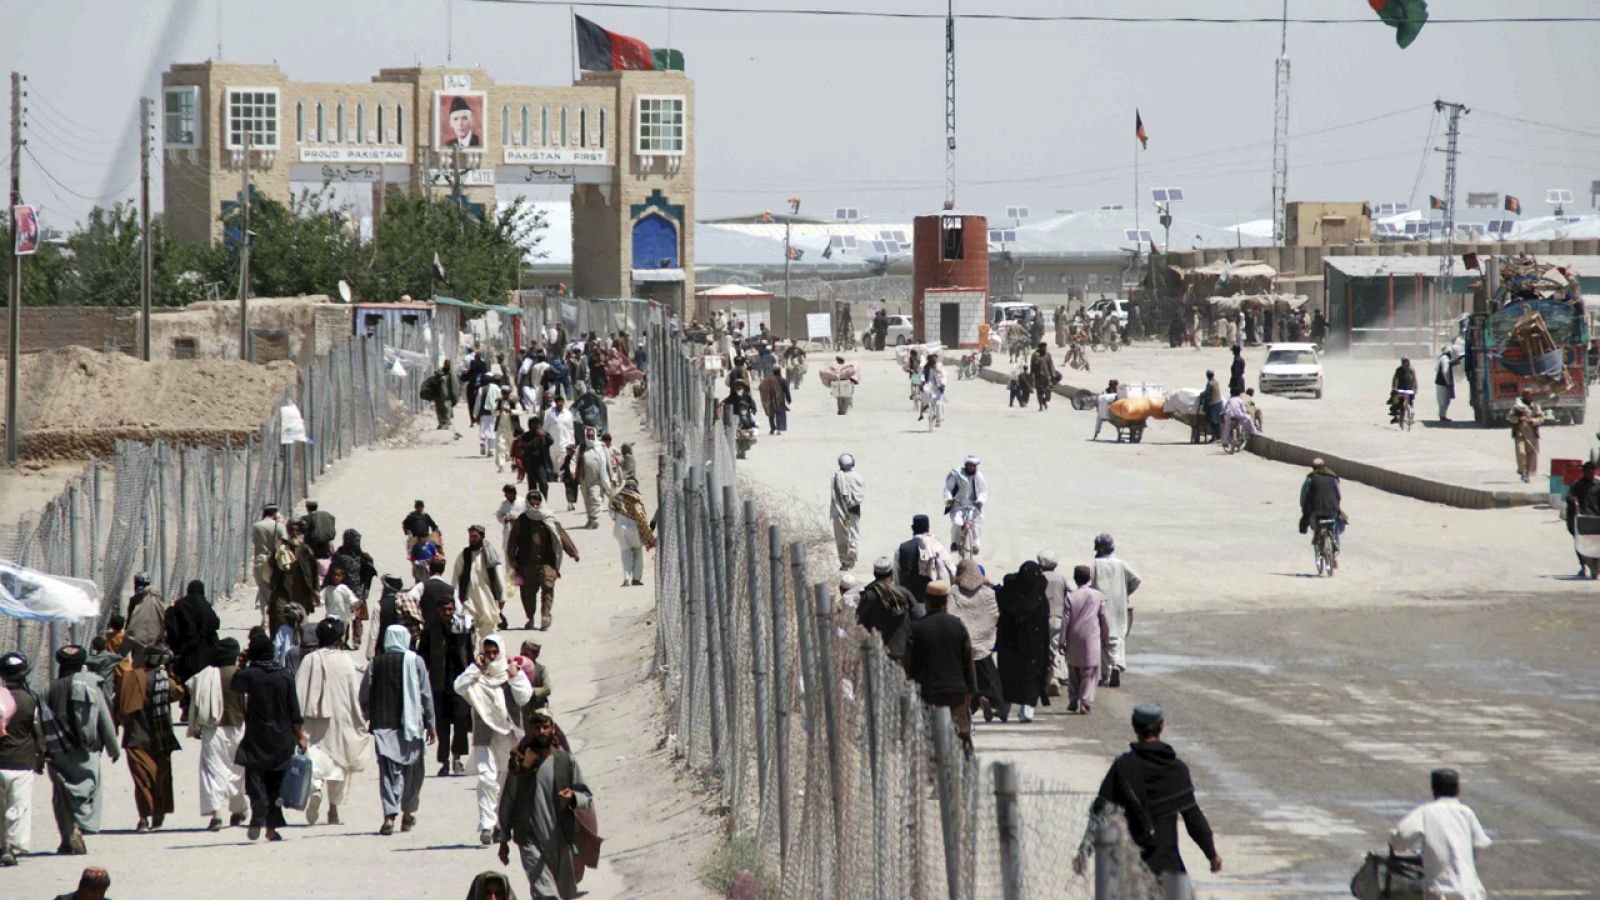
[(598, 651), (75, 402), (1351, 420), (1310, 709)]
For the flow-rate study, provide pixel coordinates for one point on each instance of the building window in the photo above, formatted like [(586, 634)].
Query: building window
[(399, 124), (952, 242), (253, 112), (544, 126), (383, 136), (523, 136), (300, 121), (338, 122), (361, 123), (602, 128), (659, 126), (321, 122), (562, 137), (583, 127), (505, 126), (181, 116)]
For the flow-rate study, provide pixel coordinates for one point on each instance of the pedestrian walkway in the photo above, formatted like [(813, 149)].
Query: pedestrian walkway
[(598, 653)]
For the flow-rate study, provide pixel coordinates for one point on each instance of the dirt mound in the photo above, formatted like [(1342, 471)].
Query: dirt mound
[(77, 403)]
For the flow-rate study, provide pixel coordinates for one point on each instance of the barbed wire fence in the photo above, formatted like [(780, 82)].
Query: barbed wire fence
[(182, 513), (816, 743)]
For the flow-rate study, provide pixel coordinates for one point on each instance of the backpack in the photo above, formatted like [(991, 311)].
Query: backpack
[(430, 387)]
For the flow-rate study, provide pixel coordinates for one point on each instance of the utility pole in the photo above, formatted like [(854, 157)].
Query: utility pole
[(244, 250), (144, 228), (1280, 136), (950, 104), (14, 335), (1447, 266)]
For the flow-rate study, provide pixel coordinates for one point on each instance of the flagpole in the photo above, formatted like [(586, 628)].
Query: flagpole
[(1139, 248)]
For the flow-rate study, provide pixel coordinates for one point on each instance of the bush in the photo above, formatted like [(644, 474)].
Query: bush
[(737, 869)]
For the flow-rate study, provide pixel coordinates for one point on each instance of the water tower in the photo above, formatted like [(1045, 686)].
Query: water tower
[(950, 284)]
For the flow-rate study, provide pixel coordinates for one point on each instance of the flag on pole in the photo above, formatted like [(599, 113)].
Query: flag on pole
[(1406, 17), (795, 253), (1513, 205), (600, 50), (827, 252), (1138, 131), (1435, 201), (1154, 251)]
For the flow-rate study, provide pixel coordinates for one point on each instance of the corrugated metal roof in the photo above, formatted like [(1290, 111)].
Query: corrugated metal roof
[(1412, 266)]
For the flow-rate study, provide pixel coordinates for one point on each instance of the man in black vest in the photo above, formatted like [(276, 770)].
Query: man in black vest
[(908, 561)]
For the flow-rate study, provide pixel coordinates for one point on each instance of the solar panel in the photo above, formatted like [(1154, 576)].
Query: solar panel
[(850, 241), (1159, 194), (1130, 234), (879, 248), (900, 236), (1011, 234), (846, 213), (1572, 220), (836, 241), (1174, 193), (995, 236)]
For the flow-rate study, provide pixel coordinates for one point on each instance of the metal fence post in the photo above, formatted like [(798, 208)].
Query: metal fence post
[(730, 577), (872, 704), (716, 635), (946, 759), (825, 682), (94, 532), (693, 609), (1008, 821), (758, 672), (780, 686)]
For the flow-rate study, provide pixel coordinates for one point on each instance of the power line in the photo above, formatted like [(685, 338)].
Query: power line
[(1063, 17), (1544, 125), (58, 183), (1422, 165), (66, 121)]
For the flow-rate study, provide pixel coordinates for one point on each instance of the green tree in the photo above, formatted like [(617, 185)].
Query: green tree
[(303, 247), (482, 257), (42, 272)]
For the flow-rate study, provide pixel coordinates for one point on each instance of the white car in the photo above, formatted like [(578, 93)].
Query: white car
[(1291, 368), (899, 331), (1113, 305), (1004, 311)]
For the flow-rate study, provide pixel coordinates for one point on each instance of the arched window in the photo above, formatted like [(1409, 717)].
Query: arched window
[(505, 125), (338, 123), (583, 127), (563, 134), (602, 128), (544, 126), (300, 121), (383, 136), (322, 122), (399, 124), (361, 123), (524, 128)]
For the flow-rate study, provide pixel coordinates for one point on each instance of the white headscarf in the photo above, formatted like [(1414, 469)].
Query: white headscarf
[(486, 695), (397, 639)]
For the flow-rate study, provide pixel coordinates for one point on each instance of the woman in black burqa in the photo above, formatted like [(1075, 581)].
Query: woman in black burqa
[(192, 632), (1023, 639)]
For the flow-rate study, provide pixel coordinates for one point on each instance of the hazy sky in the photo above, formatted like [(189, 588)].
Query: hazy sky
[(850, 111)]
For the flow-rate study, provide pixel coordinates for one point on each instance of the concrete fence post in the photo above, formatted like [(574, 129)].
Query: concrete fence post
[(827, 689), (758, 667), (780, 685), (946, 757), (803, 629), (1008, 822)]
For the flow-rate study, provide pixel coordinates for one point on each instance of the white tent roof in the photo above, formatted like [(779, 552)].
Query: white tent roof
[(733, 292)]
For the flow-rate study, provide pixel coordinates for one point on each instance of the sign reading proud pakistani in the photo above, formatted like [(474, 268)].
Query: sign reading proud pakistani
[(557, 156), (353, 154)]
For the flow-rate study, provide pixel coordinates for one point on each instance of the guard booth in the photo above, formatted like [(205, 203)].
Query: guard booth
[(950, 282)]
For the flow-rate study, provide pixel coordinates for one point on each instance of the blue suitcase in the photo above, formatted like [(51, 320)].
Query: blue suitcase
[(296, 791)]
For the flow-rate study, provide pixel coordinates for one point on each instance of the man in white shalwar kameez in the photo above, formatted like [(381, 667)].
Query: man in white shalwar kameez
[(1117, 581), (594, 475), (965, 493), (216, 718), (558, 423), (844, 508), (479, 580), (496, 692), (1448, 835), (329, 687)]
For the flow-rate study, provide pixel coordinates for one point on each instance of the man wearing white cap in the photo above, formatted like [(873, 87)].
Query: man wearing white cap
[(965, 492), (844, 508)]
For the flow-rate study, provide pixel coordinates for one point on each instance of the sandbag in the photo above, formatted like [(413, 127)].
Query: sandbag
[(1136, 409), (1184, 402)]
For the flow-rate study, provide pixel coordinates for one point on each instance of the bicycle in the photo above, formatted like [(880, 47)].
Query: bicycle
[(1406, 415), (963, 545), (1237, 438), (1325, 546)]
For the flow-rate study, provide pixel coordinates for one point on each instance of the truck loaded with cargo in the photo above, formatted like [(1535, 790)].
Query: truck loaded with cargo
[(1534, 336)]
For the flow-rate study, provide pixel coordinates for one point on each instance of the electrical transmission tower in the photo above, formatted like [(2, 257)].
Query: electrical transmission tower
[(1280, 136), (950, 104), (1447, 266)]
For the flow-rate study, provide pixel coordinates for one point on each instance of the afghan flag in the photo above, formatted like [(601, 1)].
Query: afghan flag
[(1138, 131), (600, 50), (1406, 17), (1513, 205), (795, 253), (1435, 201)]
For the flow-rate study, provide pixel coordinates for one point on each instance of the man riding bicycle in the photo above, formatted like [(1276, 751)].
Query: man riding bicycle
[(1319, 500), (1402, 390), (965, 492)]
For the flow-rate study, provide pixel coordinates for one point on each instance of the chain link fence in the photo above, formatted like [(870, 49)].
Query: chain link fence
[(814, 740), (183, 513)]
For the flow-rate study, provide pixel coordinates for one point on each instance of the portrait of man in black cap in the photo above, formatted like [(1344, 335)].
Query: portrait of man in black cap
[(460, 120)]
